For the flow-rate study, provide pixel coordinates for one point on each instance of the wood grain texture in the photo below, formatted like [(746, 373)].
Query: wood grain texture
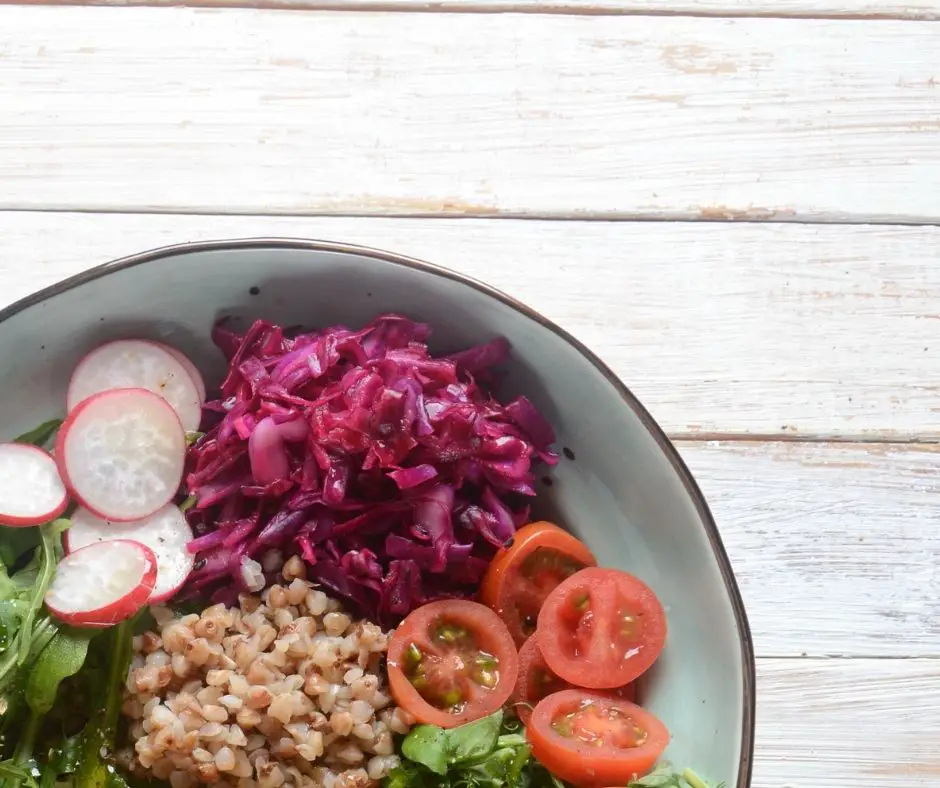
[(836, 547), (747, 329), (832, 9), (847, 722), (330, 113)]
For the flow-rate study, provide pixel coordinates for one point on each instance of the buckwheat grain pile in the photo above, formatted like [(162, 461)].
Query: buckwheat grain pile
[(284, 690)]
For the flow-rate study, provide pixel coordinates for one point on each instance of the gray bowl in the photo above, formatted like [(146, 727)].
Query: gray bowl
[(621, 486)]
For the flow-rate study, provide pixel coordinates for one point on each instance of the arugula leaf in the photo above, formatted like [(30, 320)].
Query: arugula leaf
[(11, 770), (439, 748), (14, 544), (493, 753), (40, 436), (406, 775), (95, 770), (43, 631), (63, 657), (663, 776), (61, 761), (49, 535), (30, 585), (427, 745), (475, 739), (11, 615), (695, 781)]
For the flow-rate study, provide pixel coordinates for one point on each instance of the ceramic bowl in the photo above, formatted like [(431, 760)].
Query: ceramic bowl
[(620, 485)]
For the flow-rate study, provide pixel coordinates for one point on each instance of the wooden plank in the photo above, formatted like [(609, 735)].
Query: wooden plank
[(847, 722), (763, 330), (814, 9), (854, 525), (535, 115), (836, 547)]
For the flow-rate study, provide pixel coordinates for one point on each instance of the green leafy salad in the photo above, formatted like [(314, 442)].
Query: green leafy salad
[(322, 574)]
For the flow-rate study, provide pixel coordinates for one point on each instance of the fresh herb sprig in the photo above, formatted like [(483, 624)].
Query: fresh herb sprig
[(492, 752), (37, 654), (663, 776), (489, 753)]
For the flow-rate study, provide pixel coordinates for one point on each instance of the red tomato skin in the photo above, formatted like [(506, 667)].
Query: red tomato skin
[(523, 698), (496, 590), (583, 765), (530, 658), (603, 669), (490, 634)]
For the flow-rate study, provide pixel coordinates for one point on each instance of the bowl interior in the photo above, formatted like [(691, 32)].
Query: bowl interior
[(620, 487)]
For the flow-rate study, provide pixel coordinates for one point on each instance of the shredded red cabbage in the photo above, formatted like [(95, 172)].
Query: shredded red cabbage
[(394, 474)]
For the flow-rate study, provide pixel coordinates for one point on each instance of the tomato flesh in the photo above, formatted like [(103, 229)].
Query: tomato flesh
[(591, 739), (601, 628), (537, 681), (591, 724), (452, 662), (520, 578), (448, 670)]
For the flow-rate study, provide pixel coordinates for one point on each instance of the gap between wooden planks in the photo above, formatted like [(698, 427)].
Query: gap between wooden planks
[(836, 547), (738, 305), (813, 9), (851, 722), (732, 330), (227, 110)]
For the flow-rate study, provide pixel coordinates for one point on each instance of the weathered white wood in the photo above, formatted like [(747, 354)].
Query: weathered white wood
[(913, 9), (847, 722), (836, 547), (555, 115), (797, 331)]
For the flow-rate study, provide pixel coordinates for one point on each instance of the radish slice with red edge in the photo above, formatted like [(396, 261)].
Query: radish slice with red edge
[(165, 532), (31, 490), (191, 368), (121, 453), (102, 584), (137, 363)]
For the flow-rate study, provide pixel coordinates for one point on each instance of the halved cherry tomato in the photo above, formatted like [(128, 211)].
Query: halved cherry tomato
[(590, 739), (518, 579), (601, 628), (451, 662), (537, 681)]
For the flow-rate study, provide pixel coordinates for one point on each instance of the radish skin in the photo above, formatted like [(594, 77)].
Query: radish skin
[(102, 584), (138, 363), (165, 532), (191, 368), (121, 454), (31, 489)]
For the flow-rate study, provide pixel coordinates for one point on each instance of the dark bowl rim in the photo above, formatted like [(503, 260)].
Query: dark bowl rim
[(745, 762)]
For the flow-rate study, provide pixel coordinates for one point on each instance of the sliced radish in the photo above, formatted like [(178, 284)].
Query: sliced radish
[(121, 453), (137, 363), (165, 532), (31, 490), (191, 368), (102, 584)]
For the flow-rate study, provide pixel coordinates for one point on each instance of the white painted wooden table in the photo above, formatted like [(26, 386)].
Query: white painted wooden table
[(735, 202)]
